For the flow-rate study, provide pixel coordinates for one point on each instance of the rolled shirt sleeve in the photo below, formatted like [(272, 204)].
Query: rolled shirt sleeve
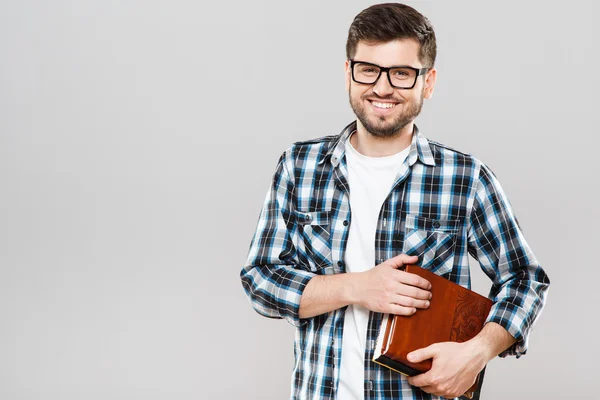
[(270, 276), (519, 284)]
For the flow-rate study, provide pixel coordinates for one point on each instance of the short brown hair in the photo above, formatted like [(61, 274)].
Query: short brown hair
[(391, 21)]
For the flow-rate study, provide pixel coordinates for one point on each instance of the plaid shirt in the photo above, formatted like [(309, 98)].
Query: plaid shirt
[(442, 206)]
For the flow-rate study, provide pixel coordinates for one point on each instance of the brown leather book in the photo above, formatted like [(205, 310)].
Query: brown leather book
[(454, 314)]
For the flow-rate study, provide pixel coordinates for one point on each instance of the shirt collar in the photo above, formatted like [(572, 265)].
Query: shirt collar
[(419, 147)]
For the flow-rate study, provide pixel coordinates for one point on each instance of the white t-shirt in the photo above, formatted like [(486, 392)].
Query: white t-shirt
[(370, 180)]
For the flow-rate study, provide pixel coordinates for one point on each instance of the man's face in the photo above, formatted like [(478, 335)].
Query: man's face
[(371, 103)]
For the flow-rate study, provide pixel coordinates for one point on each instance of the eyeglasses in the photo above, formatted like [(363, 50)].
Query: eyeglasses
[(400, 77)]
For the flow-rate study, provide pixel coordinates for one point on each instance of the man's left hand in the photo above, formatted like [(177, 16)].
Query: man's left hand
[(454, 368)]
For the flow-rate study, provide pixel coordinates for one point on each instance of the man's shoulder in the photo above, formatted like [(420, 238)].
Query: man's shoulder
[(444, 154), (307, 154), (447, 156), (319, 140), (318, 147), (441, 147), (311, 149)]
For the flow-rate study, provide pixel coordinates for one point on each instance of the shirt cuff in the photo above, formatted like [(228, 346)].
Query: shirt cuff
[(292, 283), (514, 320)]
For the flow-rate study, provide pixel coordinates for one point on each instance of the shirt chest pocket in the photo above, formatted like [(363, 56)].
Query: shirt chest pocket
[(315, 245), (432, 240)]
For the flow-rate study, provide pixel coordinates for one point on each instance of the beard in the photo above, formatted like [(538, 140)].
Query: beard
[(379, 126)]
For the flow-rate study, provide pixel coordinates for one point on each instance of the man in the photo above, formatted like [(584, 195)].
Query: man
[(345, 211)]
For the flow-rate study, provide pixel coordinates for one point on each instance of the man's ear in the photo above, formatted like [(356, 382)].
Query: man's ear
[(430, 78), (347, 74)]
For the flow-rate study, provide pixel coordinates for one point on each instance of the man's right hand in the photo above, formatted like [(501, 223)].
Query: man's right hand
[(386, 289)]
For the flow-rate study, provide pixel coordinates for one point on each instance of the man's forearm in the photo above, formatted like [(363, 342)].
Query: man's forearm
[(492, 340), (325, 293), (383, 288)]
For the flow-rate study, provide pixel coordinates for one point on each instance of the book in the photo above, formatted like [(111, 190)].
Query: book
[(455, 314)]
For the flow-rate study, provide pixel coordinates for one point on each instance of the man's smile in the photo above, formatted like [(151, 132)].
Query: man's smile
[(383, 107)]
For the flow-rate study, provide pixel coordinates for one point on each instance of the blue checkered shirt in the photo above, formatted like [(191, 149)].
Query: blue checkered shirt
[(443, 206)]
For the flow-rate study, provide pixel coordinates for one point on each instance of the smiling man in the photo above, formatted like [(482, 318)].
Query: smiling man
[(345, 211)]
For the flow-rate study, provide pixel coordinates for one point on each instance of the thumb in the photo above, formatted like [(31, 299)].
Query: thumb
[(422, 354), (402, 259)]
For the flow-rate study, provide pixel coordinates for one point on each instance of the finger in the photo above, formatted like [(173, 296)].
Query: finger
[(413, 280), (431, 390), (414, 292), (421, 380), (400, 310), (401, 259), (410, 302), (422, 354)]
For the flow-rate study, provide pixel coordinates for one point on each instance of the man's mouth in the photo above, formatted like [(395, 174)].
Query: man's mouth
[(382, 105)]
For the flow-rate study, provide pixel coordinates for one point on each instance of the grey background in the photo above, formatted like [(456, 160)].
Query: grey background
[(137, 140)]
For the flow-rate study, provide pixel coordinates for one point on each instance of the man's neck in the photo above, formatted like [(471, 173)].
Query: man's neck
[(372, 146)]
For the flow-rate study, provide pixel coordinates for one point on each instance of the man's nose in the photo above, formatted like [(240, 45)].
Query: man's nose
[(382, 87)]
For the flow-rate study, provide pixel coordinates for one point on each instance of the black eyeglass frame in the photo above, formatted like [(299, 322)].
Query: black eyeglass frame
[(418, 71)]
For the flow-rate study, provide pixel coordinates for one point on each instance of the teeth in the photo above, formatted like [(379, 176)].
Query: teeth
[(382, 105)]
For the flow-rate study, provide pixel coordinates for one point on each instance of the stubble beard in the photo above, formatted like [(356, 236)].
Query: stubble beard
[(385, 129)]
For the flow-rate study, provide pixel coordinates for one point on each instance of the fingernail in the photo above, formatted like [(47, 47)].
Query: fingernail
[(426, 304), (430, 295)]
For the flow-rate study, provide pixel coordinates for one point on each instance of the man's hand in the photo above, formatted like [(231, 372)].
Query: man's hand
[(454, 368), (386, 289)]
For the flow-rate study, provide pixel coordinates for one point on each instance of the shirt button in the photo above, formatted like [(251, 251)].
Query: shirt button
[(307, 217), (436, 224), (340, 263), (346, 223)]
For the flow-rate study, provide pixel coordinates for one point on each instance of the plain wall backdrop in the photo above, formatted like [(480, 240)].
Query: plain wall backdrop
[(137, 142)]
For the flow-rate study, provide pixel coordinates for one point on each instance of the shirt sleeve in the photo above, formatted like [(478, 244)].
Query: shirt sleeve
[(519, 284), (270, 277)]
